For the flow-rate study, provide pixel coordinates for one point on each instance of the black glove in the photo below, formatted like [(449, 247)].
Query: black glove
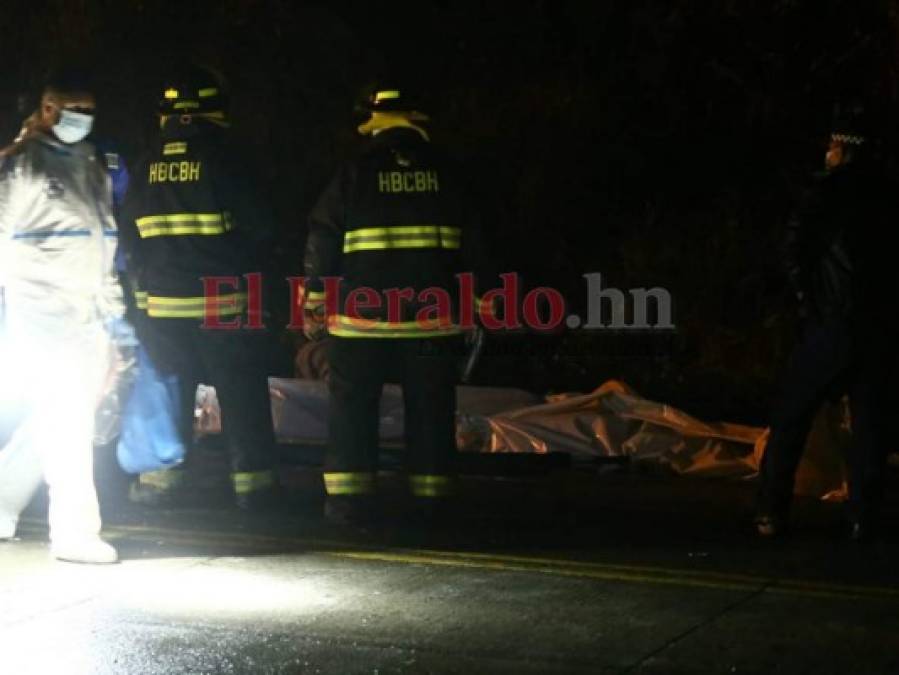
[(315, 325)]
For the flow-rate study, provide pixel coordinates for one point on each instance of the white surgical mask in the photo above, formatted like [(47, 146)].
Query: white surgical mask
[(73, 126)]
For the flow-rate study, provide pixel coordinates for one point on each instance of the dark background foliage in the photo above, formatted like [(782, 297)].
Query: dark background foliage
[(657, 142)]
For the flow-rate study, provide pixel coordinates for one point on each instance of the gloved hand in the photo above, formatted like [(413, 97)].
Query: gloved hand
[(121, 333), (315, 326)]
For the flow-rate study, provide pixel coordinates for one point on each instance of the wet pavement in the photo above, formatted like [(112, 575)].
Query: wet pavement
[(568, 573)]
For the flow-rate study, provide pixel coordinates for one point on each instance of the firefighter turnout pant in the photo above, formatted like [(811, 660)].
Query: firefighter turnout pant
[(426, 369), (235, 363), (828, 361)]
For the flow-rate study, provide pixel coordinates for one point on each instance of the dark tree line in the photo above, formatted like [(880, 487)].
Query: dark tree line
[(660, 143)]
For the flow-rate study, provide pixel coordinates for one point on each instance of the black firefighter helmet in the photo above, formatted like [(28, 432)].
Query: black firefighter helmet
[(194, 90), (387, 97)]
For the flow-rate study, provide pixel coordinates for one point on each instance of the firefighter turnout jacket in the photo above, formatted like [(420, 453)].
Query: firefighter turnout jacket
[(187, 218), (396, 226)]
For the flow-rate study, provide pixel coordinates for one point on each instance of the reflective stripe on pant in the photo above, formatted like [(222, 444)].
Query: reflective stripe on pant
[(427, 371), (244, 482), (163, 480), (59, 385), (431, 485), (248, 482), (350, 484)]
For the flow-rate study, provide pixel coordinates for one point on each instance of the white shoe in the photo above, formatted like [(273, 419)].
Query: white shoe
[(7, 527), (89, 550)]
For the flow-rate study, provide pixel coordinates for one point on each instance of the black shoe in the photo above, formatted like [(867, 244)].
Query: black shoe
[(258, 501), (163, 489), (352, 511), (181, 496), (433, 512), (155, 497)]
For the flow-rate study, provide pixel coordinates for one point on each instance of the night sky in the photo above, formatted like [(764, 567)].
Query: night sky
[(660, 143)]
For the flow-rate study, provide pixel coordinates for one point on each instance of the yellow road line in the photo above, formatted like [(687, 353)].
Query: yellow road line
[(645, 574), (628, 573), (596, 572), (577, 564)]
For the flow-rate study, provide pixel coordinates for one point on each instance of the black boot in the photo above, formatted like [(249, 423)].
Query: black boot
[(255, 491), (352, 511), (160, 489), (433, 512), (259, 501)]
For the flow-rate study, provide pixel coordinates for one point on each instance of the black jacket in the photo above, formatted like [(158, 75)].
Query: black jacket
[(192, 212), (835, 251), (399, 215)]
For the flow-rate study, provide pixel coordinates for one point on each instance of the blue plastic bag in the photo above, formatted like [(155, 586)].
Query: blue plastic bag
[(150, 440)]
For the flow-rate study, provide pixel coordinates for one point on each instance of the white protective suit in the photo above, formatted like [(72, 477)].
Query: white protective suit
[(59, 293)]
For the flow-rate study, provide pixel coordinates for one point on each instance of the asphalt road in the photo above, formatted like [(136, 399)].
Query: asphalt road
[(570, 573)]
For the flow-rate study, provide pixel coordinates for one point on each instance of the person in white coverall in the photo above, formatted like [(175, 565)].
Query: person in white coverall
[(59, 299)]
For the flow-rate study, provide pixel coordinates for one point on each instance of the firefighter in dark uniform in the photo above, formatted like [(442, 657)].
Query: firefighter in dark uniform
[(192, 213), (395, 220), (840, 272)]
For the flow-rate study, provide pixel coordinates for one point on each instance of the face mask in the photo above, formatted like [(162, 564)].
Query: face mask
[(73, 126)]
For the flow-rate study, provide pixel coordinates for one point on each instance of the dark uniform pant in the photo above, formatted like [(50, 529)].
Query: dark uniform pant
[(426, 369), (829, 361), (234, 362)]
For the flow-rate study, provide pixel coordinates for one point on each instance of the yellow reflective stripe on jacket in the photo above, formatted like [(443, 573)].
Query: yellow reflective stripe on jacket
[(252, 481), (177, 148), (424, 485), (402, 236), (175, 224), (140, 299), (346, 326), (352, 483), (196, 307)]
